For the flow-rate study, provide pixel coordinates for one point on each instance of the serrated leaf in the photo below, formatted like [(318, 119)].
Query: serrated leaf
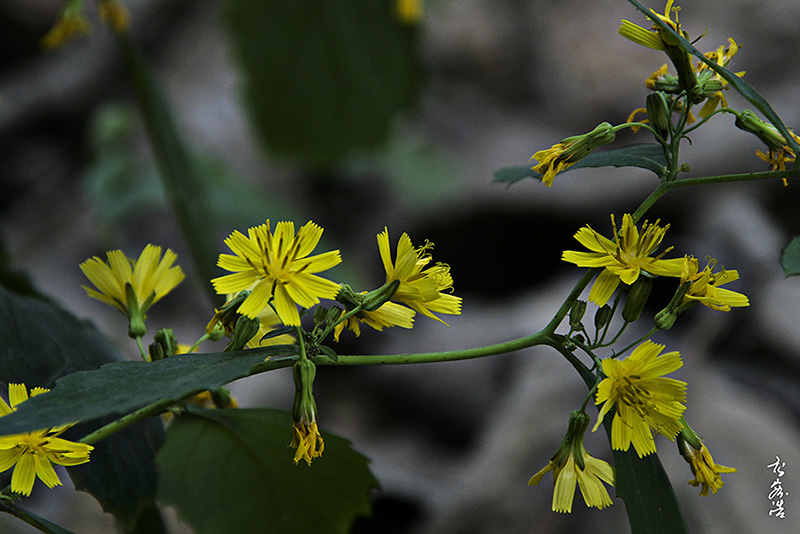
[(232, 471), (645, 156), (122, 387), (791, 258), (323, 77), (41, 342)]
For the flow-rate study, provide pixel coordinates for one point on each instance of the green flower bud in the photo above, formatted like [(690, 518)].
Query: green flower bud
[(637, 297), (578, 147), (304, 408), (349, 298), (748, 121), (603, 316), (658, 113), (164, 345), (576, 313), (667, 317), (244, 331)]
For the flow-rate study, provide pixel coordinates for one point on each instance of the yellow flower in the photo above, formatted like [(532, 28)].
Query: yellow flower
[(132, 286), (655, 38), (269, 322), (114, 14), (645, 401), (623, 258), (569, 151), (34, 453), (572, 463), (388, 315), (277, 266), (306, 438), (409, 11), (779, 150), (308, 441), (71, 23), (705, 286), (421, 285), (706, 472)]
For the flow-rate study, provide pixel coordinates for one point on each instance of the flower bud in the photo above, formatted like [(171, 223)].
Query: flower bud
[(748, 121), (603, 316), (658, 113), (637, 297), (576, 313), (245, 329), (164, 345)]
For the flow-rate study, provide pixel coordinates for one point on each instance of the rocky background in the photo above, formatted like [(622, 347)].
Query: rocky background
[(453, 445)]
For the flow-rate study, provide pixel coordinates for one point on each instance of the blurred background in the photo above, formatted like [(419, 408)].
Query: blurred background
[(403, 128)]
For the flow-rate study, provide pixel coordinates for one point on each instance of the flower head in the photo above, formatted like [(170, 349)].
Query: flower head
[(387, 315), (421, 285), (33, 453), (705, 286), (644, 399), (306, 438), (572, 463), (277, 266), (658, 39), (570, 150), (132, 286), (624, 258), (779, 151), (706, 472)]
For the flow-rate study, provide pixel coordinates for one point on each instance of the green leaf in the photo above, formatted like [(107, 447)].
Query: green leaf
[(42, 342), (647, 491), (122, 387), (645, 156), (791, 258), (232, 471), (323, 77)]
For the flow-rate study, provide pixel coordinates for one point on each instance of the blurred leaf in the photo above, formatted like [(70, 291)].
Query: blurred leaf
[(43, 342), (122, 387), (186, 192), (121, 185), (232, 471), (323, 77), (644, 156), (791, 258)]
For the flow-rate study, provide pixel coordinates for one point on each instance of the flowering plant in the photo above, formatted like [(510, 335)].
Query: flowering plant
[(166, 429)]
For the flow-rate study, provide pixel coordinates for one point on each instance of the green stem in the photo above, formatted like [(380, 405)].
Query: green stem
[(666, 187)]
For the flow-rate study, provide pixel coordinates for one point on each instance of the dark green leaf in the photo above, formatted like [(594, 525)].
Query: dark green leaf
[(645, 156), (791, 258), (122, 387), (323, 77), (41, 343), (232, 471), (647, 491)]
